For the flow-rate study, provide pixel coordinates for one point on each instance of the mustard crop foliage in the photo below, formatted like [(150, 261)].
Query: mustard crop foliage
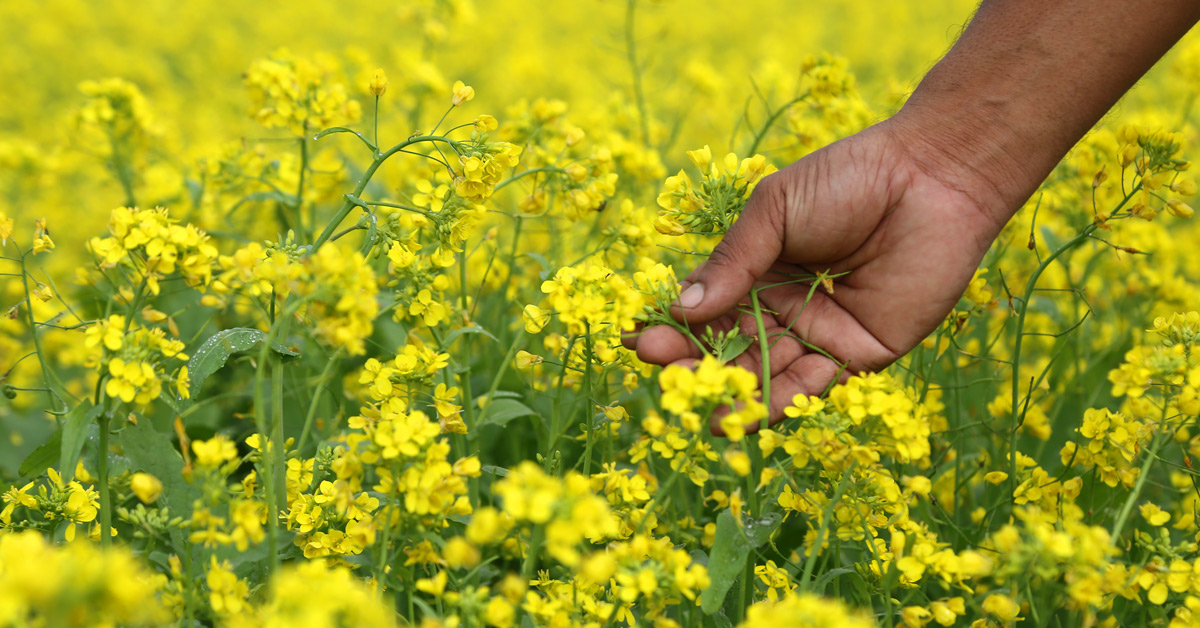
[(313, 317)]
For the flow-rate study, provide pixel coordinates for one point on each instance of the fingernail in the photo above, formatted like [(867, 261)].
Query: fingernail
[(692, 296)]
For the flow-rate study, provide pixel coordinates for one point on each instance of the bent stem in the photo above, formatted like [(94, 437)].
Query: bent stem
[(379, 160)]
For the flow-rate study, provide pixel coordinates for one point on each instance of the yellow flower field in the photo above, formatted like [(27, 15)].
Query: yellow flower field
[(315, 318)]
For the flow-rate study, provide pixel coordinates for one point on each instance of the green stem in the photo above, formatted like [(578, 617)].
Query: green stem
[(1016, 412), (381, 576), (276, 450), (552, 437), (365, 179), (631, 50), (312, 406), (1127, 508), (508, 357), (53, 384), (771, 121), (765, 360), (102, 484), (531, 552), (809, 560), (121, 168), (525, 173), (306, 232), (663, 489), (465, 376), (271, 480), (587, 401)]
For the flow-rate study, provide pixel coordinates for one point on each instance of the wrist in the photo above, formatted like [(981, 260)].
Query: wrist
[(977, 146)]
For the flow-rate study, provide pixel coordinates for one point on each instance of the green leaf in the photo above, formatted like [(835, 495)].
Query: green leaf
[(828, 577), (41, 458), (735, 347), (153, 452), (494, 470), (501, 411), (74, 432), (472, 329), (758, 531), (215, 351), (725, 563), (719, 620), (1052, 241)]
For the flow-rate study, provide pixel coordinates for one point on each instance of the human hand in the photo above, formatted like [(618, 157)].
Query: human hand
[(909, 226)]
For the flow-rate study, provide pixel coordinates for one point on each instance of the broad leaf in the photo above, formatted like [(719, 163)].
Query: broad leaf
[(43, 457), (151, 451), (215, 351), (725, 563), (758, 531), (472, 329), (735, 347), (501, 411), (74, 432)]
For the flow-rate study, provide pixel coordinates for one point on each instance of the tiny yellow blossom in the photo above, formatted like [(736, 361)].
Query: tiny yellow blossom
[(146, 487), (462, 93)]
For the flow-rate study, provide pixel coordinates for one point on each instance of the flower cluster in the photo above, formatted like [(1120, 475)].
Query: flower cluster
[(149, 245), (137, 360), (295, 93), (74, 585), (711, 206)]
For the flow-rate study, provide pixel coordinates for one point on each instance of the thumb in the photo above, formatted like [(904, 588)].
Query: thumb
[(747, 251)]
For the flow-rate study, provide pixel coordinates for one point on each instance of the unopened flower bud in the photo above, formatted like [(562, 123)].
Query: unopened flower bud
[(379, 82), (668, 226), (1184, 186), (1179, 208), (147, 487), (526, 360), (1128, 154)]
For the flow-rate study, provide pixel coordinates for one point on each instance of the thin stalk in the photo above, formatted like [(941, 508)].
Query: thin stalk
[(552, 437), (102, 484), (631, 50), (809, 561), (758, 137), (276, 447), (508, 357), (1127, 508), (312, 406), (531, 552), (1017, 411), (587, 400), (465, 377), (663, 489), (305, 231), (47, 374), (525, 173), (271, 483), (365, 179)]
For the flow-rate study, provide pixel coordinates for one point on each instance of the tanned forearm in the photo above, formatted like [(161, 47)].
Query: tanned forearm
[(1027, 79)]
